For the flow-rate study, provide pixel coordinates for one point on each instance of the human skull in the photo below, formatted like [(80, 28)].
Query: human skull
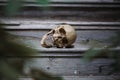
[(62, 36)]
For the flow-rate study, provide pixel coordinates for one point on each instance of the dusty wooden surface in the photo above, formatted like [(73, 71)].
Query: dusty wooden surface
[(82, 10), (95, 21), (66, 62)]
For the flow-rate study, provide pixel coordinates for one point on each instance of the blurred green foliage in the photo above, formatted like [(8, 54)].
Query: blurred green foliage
[(14, 6), (11, 68), (12, 54), (12, 58), (92, 53), (41, 75), (7, 72), (43, 2)]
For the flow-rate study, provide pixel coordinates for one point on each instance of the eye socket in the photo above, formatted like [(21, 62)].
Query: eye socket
[(53, 31), (59, 37), (62, 31)]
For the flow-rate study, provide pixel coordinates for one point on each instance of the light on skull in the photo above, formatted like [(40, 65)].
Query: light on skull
[(62, 36)]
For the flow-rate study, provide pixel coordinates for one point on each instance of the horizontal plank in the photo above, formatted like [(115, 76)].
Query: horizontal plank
[(82, 0), (73, 15), (85, 40), (70, 14), (36, 24), (81, 35), (73, 1), (73, 5), (20, 21), (49, 27), (68, 4), (89, 77), (80, 46), (75, 66), (105, 11)]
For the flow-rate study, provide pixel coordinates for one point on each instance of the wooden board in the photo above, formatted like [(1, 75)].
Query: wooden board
[(70, 66), (89, 77), (66, 62)]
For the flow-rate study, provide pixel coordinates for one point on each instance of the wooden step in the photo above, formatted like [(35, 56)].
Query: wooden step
[(66, 62), (89, 34), (14, 24), (79, 10), (87, 77), (70, 66)]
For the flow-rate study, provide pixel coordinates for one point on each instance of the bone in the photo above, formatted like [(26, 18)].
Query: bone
[(63, 36)]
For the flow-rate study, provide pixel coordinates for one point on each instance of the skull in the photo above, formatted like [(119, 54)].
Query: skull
[(62, 36)]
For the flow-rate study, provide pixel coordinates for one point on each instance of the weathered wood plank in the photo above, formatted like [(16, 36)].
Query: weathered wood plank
[(81, 35), (73, 1), (48, 27), (67, 5), (79, 47), (36, 24), (104, 1), (89, 77), (70, 0), (20, 21), (70, 66)]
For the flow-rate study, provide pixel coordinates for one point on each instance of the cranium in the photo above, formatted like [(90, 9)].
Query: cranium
[(62, 36)]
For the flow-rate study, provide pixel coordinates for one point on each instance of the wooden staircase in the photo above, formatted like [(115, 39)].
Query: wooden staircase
[(95, 23)]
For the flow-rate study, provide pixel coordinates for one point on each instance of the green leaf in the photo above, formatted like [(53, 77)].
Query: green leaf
[(91, 53), (43, 2), (7, 71), (13, 7), (41, 75)]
